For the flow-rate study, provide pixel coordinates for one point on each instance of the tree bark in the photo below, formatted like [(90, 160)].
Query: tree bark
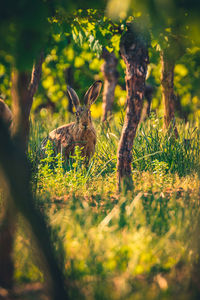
[(109, 70), (134, 51), (168, 96), (23, 90)]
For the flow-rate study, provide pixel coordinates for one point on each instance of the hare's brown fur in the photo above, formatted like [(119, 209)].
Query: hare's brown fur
[(66, 137), (79, 133)]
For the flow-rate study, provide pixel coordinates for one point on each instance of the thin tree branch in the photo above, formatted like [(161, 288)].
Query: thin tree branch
[(36, 75)]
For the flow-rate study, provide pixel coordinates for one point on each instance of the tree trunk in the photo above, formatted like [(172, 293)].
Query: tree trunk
[(20, 103), (134, 51), (16, 175), (23, 90), (168, 97), (148, 94), (6, 246), (110, 80)]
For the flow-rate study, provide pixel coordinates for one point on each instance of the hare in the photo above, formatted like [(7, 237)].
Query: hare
[(81, 132), (5, 113)]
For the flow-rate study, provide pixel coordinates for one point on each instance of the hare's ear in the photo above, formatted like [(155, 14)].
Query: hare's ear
[(92, 93), (73, 96)]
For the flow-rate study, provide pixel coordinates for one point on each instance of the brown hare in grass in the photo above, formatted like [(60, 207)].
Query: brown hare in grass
[(81, 132)]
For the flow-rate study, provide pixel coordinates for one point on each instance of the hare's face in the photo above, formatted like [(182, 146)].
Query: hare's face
[(83, 114), (83, 117)]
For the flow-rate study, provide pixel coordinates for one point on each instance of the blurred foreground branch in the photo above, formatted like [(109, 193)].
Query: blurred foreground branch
[(16, 173)]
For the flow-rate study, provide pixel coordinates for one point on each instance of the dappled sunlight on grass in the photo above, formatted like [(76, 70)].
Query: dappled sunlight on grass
[(140, 244)]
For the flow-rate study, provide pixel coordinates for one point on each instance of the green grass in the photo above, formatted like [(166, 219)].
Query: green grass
[(139, 246)]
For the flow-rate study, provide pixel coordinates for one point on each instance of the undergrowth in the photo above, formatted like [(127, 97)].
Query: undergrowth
[(142, 245)]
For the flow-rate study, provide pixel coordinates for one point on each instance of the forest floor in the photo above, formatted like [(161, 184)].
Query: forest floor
[(138, 244)]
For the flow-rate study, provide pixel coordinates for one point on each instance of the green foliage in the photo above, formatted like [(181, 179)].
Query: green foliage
[(137, 32), (153, 149), (21, 34), (50, 171), (73, 39), (73, 175), (91, 26), (108, 239), (25, 265)]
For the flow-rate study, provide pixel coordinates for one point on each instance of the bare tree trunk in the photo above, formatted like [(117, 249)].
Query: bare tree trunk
[(110, 80), (23, 90), (134, 51), (168, 97)]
